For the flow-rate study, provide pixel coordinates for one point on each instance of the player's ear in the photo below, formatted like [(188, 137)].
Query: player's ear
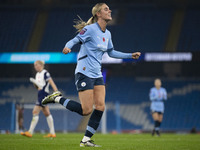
[(98, 13)]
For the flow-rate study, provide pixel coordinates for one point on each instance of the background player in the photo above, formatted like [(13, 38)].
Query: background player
[(95, 40), (157, 96), (41, 82)]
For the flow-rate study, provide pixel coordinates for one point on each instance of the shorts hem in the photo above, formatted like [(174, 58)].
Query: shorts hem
[(159, 112)]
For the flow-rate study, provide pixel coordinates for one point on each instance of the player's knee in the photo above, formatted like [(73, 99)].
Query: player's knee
[(34, 112), (87, 111), (46, 114), (100, 107)]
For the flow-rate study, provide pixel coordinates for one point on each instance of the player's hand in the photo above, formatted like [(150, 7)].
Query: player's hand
[(32, 80), (36, 86), (136, 55), (66, 50)]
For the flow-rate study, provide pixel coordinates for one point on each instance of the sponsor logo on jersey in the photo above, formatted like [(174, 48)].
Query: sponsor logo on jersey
[(104, 39), (102, 47), (83, 31)]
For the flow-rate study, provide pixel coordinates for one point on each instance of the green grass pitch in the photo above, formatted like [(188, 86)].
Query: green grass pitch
[(71, 141)]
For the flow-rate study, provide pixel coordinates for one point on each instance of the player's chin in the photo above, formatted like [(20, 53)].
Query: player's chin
[(108, 19)]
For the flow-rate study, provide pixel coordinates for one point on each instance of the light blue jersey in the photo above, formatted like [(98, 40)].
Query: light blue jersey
[(157, 98), (94, 43)]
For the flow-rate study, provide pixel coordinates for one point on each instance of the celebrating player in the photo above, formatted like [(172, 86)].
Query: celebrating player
[(157, 96), (41, 82), (95, 40)]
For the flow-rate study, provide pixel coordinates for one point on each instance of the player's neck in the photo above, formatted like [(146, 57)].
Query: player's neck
[(40, 70), (102, 24), (158, 88)]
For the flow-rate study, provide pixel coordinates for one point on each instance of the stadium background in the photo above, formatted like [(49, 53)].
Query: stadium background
[(147, 26)]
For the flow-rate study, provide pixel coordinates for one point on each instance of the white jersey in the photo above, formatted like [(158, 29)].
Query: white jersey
[(42, 78)]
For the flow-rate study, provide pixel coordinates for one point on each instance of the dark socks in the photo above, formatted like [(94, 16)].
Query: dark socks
[(156, 125), (159, 124), (71, 105), (93, 123), (95, 118), (156, 128)]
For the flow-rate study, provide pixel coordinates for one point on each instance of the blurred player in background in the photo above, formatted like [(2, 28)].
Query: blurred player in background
[(41, 82), (157, 96), (95, 40), (20, 110)]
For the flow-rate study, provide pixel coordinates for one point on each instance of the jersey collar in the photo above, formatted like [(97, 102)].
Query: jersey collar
[(100, 27)]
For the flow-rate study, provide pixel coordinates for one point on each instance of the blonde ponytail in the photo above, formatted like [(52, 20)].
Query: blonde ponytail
[(80, 24)]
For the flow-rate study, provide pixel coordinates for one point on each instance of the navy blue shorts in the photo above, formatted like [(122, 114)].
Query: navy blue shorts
[(41, 94), (84, 82)]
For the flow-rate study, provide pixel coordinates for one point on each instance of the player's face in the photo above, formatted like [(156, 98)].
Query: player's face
[(38, 67), (105, 13), (157, 83)]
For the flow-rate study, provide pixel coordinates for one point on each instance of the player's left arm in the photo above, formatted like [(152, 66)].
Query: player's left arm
[(116, 54), (48, 78), (53, 85), (165, 94)]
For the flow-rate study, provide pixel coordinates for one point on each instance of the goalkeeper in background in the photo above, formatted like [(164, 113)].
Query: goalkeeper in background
[(41, 82), (157, 96)]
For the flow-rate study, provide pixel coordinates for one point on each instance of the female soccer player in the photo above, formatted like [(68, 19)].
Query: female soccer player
[(157, 96), (95, 40), (41, 82)]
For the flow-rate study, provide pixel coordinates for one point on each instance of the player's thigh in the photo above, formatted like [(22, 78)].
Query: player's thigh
[(46, 111), (155, 116), (36, 110), (87, 102), (160, 117), (99, 97)]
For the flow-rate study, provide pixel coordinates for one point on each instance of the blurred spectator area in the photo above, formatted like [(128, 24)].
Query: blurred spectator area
[(15, 28), (134, 27)]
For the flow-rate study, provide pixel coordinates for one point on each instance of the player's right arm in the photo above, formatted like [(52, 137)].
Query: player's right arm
[(70, 44), (36, 83), (66, 50), (83, 36), (152, 95)]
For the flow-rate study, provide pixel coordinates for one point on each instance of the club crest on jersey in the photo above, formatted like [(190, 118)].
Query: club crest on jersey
[(104, 39), (83, 84), (83, 31)]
